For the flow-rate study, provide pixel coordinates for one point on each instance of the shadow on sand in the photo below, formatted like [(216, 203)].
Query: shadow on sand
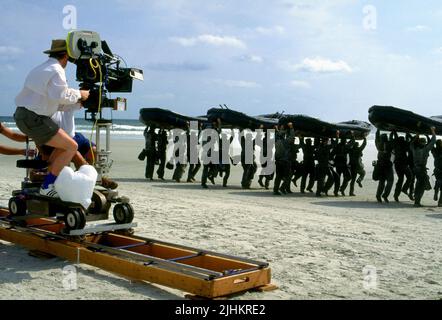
[(435, 216), (348, 204), (16, 261), (269, 193), (194, 186), (135, 180)]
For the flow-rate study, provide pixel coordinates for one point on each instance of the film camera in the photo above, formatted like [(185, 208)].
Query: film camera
[(100, 71)]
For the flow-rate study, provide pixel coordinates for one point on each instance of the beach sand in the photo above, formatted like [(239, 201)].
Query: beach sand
[(317, 248)]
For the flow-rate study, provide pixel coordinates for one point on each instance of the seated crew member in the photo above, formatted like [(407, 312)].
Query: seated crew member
[(45, 92), (15, 136), (86, 149)]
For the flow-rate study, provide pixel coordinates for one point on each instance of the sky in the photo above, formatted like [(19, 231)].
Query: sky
[(327, 59)]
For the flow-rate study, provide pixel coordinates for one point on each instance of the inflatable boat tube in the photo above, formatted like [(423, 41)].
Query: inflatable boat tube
[(166, 119), (312, 127), (395, 119), (234, 119)]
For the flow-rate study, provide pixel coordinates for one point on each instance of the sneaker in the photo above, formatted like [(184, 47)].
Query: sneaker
[(108, 183), (49, 192)]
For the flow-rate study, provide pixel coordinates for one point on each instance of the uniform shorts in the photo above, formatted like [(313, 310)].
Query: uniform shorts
[(84, 144), (39, 128)]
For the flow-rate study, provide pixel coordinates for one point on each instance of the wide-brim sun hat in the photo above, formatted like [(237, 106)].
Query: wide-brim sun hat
[(58, 45)]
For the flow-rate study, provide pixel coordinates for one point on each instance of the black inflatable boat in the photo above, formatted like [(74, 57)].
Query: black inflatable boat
[(234, 119), (312, 127), (391, 118), (166, 119)]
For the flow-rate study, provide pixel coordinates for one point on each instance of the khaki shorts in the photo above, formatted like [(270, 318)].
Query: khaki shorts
[(39, 128)]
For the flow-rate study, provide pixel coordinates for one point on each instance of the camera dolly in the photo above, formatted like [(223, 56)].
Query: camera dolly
[(27, 204)]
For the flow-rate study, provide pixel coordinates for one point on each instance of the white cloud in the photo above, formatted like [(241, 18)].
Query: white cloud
[(300, 84), (257, 59), (276, 30), (9, 50), (321, 65), (218, 41), (316, 14), (238, 83), (399, 57), (7, 67), (419, 28), (250, 58)]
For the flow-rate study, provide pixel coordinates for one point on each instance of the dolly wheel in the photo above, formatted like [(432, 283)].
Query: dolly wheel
[(123, 213), (75, 220), (100, 204), (17, 207)]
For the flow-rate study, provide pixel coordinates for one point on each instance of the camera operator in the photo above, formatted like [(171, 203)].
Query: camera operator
[(44, 93)]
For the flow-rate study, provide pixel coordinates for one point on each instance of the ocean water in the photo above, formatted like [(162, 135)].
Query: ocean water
[(121, 129)]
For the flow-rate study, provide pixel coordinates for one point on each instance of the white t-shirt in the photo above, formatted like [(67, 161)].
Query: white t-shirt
[(66, 120), (46, 91)]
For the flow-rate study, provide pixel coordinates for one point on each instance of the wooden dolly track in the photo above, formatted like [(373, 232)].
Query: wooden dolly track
[(201, 273)]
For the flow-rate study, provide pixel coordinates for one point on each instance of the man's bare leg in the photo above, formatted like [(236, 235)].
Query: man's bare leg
[(79, 161), (65, 150)]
